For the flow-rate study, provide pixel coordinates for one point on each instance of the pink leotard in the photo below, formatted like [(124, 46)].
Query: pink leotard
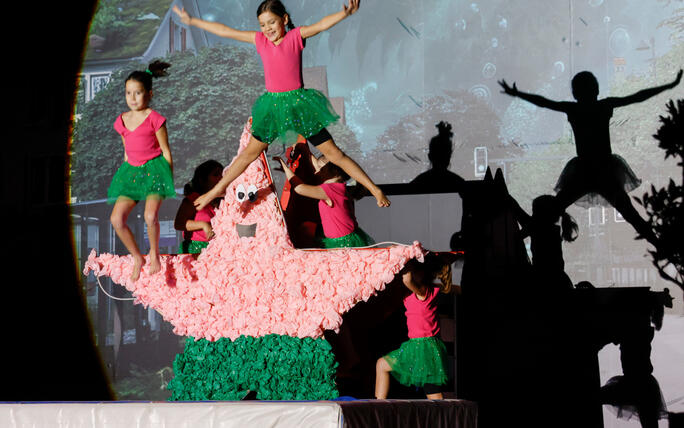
[(421, 315), (141, 144), (282, 63), (338, 220)]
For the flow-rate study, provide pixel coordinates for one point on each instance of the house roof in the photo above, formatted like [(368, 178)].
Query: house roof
[(124, 29)]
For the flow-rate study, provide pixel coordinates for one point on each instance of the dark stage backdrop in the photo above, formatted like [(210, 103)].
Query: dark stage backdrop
[(392, 71)]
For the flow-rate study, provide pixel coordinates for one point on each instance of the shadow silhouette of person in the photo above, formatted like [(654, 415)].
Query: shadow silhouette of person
[(595, 174), (438, 179), (547, 238)]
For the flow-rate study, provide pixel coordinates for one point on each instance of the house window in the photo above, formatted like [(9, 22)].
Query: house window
[(97, 83), (597, 215)]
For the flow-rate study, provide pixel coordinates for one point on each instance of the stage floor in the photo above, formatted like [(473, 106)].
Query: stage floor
[(228, 414)]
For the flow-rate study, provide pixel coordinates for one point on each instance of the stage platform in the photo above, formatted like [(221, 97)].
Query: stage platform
[(240, 414)]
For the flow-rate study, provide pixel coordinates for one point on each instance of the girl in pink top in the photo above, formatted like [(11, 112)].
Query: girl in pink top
[(146, 173), (286, 109), (335, 206), (196, 225), (420, 361)]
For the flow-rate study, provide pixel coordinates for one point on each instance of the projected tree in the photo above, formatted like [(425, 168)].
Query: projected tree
[(665, 206), (206, 99)]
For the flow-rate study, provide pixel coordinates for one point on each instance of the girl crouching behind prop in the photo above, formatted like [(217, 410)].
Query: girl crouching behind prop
[(420, 361)]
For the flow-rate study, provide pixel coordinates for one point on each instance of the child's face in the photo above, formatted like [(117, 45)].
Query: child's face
[(273, 26), (214, 177), (137, 97)]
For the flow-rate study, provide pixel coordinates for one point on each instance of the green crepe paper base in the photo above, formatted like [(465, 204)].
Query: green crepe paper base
[(276, 367)]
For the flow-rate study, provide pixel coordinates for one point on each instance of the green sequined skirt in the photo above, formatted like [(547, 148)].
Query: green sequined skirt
[(154, 177), (358, 238), (281, 116), (192, 247), (419, 361)]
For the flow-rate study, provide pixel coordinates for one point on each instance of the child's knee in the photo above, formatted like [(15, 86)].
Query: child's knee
[(118, 221), (151, 218), (381, 365)]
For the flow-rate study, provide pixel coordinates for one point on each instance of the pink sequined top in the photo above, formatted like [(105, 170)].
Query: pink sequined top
[(338, 220), (421, 315), (141, 144), (282, 63)]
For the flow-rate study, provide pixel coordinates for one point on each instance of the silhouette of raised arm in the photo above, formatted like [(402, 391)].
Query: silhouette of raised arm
[(644, 94), (535, 99)]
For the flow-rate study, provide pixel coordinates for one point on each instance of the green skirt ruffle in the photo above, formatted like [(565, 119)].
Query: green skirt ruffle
[(192, 247), (358, 238), (419, 361), (154, 177), (281, 116), (276, 367)]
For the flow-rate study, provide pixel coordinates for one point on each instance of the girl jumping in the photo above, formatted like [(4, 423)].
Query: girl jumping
[(335, 206), (147, 171), (196, 225), (286, 109), (595, 172)]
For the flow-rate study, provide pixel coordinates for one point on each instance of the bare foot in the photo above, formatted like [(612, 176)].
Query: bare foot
[(137, 266), (155, 266)]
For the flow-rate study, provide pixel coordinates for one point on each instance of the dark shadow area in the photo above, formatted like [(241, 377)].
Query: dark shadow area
[(49, 352)]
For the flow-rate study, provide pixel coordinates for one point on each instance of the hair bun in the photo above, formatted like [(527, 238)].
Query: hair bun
[(444, 129), (158, 68)]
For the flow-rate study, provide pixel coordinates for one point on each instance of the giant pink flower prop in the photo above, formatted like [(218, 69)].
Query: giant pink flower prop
[(250, 280)]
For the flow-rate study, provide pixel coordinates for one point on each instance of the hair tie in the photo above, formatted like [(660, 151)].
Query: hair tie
[(147, 70)]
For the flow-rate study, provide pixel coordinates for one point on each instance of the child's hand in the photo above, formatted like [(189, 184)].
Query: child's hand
[(351, 8), (204, 200), (513, 91), (182, 14), (381, 198), (208, 231)]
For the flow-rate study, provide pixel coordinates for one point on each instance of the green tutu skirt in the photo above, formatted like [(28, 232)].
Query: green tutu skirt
[(154, 177), (281, 116), (192, 247), (358, 238), (419, 361)]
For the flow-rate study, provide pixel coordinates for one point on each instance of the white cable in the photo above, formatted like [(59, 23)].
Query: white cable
[(110, 296)]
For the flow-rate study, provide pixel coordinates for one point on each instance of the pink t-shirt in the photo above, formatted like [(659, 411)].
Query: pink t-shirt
[(338, 220), (141, 144), (421, 316), (282, 63), (205, 214)]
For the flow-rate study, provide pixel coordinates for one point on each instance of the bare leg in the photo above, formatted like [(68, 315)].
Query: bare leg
[(382, 378), (339, 158), (622, 203), (239, 165), (122, 208), (435, 396), (152, 205)]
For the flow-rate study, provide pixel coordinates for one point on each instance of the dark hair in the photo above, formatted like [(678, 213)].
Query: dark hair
[(155, 69), (200, 179), (276, 7), (585, 86), (332, 170), (441, 147)]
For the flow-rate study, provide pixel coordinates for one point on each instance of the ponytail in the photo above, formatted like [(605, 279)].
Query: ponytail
[(569, 229), (155, 70)]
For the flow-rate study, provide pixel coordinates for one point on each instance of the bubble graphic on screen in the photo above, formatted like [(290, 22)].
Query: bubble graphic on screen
[(606, 19), (619, 42), (481, 91), (474, 7), (558, 68), (503, 23), (495, 42), (489, 70), (595, 3)]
